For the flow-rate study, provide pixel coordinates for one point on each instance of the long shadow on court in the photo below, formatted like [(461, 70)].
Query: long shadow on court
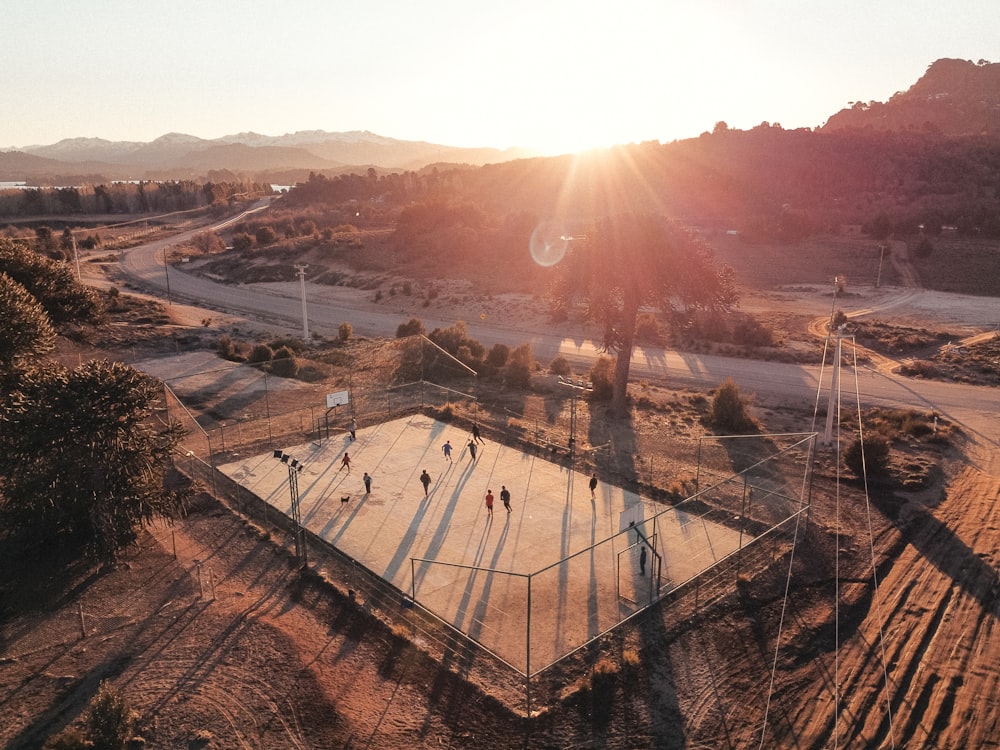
[(481, 610), (441, 532)]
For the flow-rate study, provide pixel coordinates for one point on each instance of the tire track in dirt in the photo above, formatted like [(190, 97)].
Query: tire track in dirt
[(940, 623)]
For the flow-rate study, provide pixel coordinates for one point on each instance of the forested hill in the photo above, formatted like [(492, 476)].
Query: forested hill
[(954, 97), (765, 182)]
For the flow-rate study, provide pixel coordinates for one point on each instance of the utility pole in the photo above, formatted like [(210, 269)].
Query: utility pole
[(76, 257), (305, 317), (834, 402), (166, 273), (881, 255)]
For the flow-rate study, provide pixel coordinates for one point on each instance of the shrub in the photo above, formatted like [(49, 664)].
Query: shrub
[(498, 355), (265, 235), (602, 378), (344, 331), (518, 373), (110, 720), (260, 353), (749, 332), (413, 327), (871, 456), (225, 347), (284, 367), (729, 409), (560, 366), (242, 242), (647, 328), (289, 342), (69, 739)]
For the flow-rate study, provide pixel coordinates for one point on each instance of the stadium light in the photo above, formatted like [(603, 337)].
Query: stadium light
[(294, 467)]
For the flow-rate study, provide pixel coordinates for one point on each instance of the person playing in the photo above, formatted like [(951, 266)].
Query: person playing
[(475, 433), (446, 449), (505, 497), (489, 503), (472, 449), (368, 483), (593, 485), (346, 461), (425, 480), (354, 427)]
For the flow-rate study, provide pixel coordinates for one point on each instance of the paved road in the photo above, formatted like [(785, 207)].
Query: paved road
[(975, 407)]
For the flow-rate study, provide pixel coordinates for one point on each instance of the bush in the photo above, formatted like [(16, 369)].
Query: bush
[(647, 328), (560, 366), (110, 721), (284, 367), (260, 353), (69, 739), (242, 242), (498, 355), (225, 347), (871, 456), (750, 332), (518, 373), (344, 331), (602, 378), (288, 342), (265, 235), (413, 327), (729, 409)]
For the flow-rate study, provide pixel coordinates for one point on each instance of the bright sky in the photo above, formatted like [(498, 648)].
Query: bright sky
[(556, 75)]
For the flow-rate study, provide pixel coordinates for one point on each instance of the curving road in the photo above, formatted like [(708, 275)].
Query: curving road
[(975, 407)]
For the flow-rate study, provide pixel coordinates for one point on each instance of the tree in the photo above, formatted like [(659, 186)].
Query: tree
[(208, 242), (634, 261), (729, 409), (26, 332), (522, 362), (82, 462), (64, 298)]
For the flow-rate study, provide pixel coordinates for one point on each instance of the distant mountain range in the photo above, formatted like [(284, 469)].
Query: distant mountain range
[(261, 157), (953, 98)]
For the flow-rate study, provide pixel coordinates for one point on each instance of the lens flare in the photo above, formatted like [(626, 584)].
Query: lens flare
[(548, 243)]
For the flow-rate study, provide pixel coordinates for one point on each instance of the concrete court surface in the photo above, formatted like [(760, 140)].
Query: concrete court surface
[(471, 569)]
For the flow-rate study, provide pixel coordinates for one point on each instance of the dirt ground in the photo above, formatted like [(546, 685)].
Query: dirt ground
[(219, 641)]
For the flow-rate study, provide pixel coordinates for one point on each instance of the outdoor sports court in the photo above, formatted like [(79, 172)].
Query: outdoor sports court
[(558, 570)]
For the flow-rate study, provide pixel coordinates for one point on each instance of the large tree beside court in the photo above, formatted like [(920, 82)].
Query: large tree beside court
[(634, 261), (82, 459)]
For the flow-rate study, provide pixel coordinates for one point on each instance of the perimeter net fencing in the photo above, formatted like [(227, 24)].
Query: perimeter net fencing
[(236, 409), (532, 619)]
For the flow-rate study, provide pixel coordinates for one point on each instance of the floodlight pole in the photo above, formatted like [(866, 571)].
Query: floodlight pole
[(305, 317), (294, 467)]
